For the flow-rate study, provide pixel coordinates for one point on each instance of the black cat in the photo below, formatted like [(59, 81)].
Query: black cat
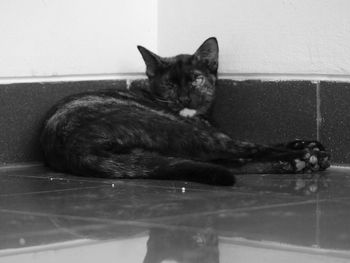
[(163, 132), (182, 246)]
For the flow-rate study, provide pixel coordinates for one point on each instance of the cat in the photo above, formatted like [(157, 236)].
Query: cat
[(174, 245), (163, 131)]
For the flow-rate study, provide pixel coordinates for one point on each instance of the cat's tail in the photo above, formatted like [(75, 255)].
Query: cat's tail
[(141, 164)]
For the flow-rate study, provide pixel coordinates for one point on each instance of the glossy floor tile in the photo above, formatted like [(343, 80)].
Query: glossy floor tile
[(53, 217)]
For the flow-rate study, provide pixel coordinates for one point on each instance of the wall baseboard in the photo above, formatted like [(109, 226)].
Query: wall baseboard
[(285, 77), (71, 78), (140, 75)]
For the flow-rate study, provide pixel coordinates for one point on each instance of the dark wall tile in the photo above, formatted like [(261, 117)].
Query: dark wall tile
[(263, 112), (335, 125), (139, 84), (22, 109), (266, 112)]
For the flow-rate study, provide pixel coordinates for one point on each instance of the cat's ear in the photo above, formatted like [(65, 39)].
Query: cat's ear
[(208, 53), (152, 61)]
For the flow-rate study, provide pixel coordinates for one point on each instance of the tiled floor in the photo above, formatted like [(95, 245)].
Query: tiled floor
[(51, 217)]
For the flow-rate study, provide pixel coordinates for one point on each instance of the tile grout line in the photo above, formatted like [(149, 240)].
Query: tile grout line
[(52, 191), (127, 182), (157, 222), (153, 221), (286, 247), (235, 210), (318, 110), (110, 222), (317, 222)]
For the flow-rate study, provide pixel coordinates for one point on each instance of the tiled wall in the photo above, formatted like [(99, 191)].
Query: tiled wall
[(271, 112), (335, 113), (266, 112), (22, 110), (263, 112)]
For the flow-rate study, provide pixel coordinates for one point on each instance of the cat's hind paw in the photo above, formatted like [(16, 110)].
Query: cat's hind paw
[(314, 157)]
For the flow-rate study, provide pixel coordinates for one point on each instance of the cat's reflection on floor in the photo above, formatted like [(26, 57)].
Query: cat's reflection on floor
[(166, 245), (293, 184)]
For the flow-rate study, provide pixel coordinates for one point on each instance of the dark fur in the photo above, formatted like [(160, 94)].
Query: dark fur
[(182, 246), (163, 131)]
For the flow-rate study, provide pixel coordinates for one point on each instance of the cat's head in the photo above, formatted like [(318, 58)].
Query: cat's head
[(184, 81)]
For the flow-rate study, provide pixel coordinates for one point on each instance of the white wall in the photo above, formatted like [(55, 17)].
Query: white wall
[(256, 37), (74, 37), (283, 37)]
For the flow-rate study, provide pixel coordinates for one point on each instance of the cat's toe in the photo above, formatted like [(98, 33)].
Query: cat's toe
[(299, 165)]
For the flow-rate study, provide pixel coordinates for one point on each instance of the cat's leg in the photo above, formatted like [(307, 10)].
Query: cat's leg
[(246, 157), (207, 144), (143, 164), (294, 157)]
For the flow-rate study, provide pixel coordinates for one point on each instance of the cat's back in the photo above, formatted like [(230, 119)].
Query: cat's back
[(89, 104), (85, 110)]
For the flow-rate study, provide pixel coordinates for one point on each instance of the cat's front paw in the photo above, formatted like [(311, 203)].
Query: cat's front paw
[(188, 113), (314, 156)]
